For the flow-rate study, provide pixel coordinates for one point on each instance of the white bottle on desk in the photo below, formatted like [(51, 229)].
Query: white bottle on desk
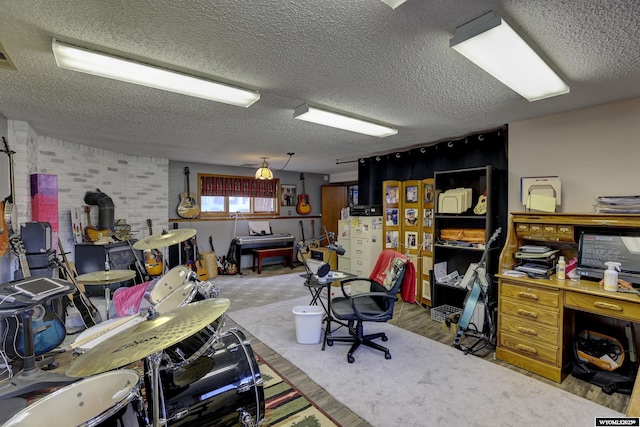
[(561, 268), (611, 276)]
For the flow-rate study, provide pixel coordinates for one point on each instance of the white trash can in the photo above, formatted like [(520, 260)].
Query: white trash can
[(308, 323)]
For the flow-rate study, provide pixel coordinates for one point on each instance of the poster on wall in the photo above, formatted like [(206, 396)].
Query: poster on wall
[(288, 195)]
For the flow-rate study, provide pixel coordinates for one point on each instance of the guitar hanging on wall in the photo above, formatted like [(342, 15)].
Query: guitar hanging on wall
[(152, 257), (188, 207), (8, 210), (303, 207)]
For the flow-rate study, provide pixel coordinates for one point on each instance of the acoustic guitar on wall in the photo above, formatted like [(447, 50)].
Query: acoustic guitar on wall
[(188, 207), (303, 207)]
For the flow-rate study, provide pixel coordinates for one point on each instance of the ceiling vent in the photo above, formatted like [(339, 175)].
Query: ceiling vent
[(5, 61)]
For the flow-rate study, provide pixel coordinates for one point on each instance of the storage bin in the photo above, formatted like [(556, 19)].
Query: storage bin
[(442, 311), (308, 320)]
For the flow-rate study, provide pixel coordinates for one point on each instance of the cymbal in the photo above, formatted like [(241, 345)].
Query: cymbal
[(148, 337), (106, 277), (169, 238)]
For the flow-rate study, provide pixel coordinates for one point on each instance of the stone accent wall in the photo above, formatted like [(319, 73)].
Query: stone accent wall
[(138, 185)]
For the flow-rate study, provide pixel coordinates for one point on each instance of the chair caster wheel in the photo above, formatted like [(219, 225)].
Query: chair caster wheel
[(350, 359), (387, 356), (330, 343), (384, 338)]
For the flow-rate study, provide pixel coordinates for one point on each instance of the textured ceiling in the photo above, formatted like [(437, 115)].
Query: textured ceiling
[(356, 56)]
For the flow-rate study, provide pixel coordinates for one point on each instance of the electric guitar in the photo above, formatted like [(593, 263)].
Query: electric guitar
[(477, 291), (91, 233), (303, 207), (48, 330), (304, 247), (188, 207), (8, 211), (89, 312), (152, 257)]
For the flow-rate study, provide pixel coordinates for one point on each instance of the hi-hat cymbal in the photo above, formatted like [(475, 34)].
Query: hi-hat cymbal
[(105, 277), (169, 238), (148, 337)]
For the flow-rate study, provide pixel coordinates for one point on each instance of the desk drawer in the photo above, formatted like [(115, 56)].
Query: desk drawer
[(528, 295), (528, 330), (604, 306), (529, 313), (531, 348)]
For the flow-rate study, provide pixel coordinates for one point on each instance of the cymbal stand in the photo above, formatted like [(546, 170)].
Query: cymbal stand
[(156, 390)]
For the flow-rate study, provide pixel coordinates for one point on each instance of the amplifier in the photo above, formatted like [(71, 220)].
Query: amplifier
[(37, 272), (41, 260), (36, 237), (366, 210)]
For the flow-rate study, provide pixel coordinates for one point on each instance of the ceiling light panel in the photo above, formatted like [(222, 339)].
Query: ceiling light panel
[(340, 121)]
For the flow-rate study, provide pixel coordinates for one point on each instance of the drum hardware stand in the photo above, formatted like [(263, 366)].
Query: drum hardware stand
[(31, 377), (158, 399)]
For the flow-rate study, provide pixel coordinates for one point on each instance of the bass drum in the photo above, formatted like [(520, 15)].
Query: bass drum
[(109, 400), (221, 388)]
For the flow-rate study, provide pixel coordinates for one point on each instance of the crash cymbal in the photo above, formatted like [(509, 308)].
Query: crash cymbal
[(148, 337), (169, 238), (106, 277)]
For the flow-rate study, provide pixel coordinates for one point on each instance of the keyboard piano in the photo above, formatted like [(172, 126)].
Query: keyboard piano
[(244, 244)]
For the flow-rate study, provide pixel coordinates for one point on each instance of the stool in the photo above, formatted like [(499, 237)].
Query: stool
[(260, 254)]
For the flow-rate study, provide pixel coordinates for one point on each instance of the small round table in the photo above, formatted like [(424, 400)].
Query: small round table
[(105, 278)]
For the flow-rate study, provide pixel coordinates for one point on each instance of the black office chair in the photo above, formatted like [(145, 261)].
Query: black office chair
[(373, 306)]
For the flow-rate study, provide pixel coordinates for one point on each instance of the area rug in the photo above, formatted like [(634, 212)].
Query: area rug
[(285, 405), (425, 382)]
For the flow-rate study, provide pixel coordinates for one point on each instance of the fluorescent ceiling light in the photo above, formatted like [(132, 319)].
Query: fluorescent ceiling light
[(327, 118), (493, 45), (394, 3), (100, 64)]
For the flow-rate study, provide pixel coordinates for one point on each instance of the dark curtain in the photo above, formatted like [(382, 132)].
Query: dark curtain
[(477, 150)]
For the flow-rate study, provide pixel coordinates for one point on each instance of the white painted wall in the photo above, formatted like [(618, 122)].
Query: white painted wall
[(595, 152)]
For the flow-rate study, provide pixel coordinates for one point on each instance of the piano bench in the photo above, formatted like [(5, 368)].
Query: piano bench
[(260, 254)]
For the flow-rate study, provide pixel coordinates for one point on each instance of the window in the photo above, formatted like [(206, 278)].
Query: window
[(221, 195)]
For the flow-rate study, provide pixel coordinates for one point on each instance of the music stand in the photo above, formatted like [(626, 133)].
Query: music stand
[(31, 377)]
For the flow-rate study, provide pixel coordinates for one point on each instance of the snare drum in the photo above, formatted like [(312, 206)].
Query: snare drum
[(94, 335), (109, 399), (167, 284), (180, 296), (222, 387)]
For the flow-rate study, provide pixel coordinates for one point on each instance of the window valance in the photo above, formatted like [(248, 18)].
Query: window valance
[(235, 186)]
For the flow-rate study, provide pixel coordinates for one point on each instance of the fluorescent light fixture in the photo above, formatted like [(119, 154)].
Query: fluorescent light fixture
[(100, 64), (493, 45), (263, 171), (327, 118), (394, 3)]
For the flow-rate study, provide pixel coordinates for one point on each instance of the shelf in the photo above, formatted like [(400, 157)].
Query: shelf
[(466, 248), (459, 216)]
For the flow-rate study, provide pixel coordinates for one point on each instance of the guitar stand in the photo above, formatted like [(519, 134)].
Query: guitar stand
[(31, 377)]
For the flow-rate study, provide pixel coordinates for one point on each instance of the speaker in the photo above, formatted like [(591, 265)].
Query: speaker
[(36, 237)]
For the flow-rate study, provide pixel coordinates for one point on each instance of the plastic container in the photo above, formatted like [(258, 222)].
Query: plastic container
[(308, 320), (611, 276), (561, 268)]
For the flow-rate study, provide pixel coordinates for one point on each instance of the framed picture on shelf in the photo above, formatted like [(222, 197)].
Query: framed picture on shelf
[(391, 240), (412, 194), (392, 195), (411, 240), (392, 217), (288, 195), (427, 242), (410, 217), (427, 218), (428, 193)]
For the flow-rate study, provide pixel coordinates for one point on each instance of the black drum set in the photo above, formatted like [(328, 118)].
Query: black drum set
[(172, 364)]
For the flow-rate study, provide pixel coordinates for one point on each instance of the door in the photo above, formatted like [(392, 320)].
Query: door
[(334, 198)]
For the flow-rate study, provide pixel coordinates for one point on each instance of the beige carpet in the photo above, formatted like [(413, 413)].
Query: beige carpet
[(425, 383)]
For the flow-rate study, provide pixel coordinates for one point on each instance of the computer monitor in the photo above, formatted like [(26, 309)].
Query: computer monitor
[(597, 247)]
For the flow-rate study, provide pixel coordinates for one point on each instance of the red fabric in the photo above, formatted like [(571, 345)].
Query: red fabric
[(381, 270)]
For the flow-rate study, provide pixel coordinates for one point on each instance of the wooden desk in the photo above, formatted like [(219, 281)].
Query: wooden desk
[(536, 317)]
